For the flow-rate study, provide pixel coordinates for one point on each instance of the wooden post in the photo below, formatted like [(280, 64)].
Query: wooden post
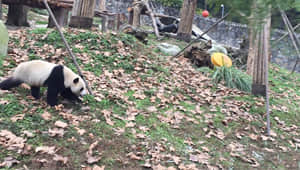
[(104, 23), (260, 66), (187, 13), (61, 15), (82, 13), (118, 21), (130, 17)]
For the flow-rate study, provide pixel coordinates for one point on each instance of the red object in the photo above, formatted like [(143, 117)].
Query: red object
[(205, 13)]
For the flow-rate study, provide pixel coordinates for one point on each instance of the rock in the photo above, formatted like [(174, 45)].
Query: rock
[(169, 49), (3, 39), (217, 48)]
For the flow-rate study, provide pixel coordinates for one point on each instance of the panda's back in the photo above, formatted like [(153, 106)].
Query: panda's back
[(34, 73)]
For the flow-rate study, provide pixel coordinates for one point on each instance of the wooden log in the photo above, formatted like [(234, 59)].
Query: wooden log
[(82, 13)]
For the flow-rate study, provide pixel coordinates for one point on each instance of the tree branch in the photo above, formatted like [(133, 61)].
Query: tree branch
[(205, 32)]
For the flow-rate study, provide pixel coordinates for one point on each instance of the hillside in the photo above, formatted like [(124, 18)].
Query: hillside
[(148, 111)]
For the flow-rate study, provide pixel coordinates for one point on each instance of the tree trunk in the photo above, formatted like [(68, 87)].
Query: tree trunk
[(186, 20), (61, 15), (82, 13), (0, 9), (260, 67), (17, 15), (137, 10)]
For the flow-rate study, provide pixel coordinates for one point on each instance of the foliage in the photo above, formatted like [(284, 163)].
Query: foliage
[(241, 10), (233, 78)]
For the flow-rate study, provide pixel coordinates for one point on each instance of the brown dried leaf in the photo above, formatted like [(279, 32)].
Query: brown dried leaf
[(11, 141), (60, 158), (8, 162), (201, 158), (60, 124), (28, 133), (46, 149), (17, 117), (46, 116), (56, 132), (89, 154), (96, 167), (133, 156)]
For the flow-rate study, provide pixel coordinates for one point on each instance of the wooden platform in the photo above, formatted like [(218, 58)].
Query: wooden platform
[(39, 3)]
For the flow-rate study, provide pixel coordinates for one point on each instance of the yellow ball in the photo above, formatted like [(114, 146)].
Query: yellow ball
[(220, 59)]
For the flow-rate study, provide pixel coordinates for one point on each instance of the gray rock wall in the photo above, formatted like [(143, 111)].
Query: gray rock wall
[(228, 33)]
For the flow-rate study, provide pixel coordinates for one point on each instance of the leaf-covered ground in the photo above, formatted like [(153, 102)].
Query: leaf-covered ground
[(148, 111)]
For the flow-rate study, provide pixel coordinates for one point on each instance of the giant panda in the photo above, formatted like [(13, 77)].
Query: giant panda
[(58, 78)]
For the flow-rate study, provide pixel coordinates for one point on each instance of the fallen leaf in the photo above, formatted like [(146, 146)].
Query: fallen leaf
[(56, 132), (17, 117), (96, 167), (89, 154), (60, 158), (46, 116), (151, 109), (60, 124), (201, 158), (28, 133), (133, 156), (11, 141), (8, 162), (46, 149)]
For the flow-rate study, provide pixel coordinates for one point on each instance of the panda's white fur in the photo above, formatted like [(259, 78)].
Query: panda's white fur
[(34, 73), (39, 73)]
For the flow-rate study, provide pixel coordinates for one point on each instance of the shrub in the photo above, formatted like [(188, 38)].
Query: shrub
[(233, 78)]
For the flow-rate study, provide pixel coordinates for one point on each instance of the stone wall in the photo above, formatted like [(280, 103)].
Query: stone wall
[(228, 33)]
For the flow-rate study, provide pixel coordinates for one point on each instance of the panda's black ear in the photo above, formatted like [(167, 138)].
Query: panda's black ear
[(76, 80)]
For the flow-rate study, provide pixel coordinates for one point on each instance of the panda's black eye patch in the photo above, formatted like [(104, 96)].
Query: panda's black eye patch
[(76, 80), (81, 89)]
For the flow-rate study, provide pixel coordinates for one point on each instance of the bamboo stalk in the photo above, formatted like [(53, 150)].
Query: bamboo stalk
[(67, 46)]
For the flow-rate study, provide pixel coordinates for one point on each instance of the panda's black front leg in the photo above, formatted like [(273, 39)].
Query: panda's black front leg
[(52, 94), (35, 92), (67, 93)]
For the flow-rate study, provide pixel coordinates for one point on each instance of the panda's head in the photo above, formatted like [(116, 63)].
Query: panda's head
[(78, 87), (74, 82)]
